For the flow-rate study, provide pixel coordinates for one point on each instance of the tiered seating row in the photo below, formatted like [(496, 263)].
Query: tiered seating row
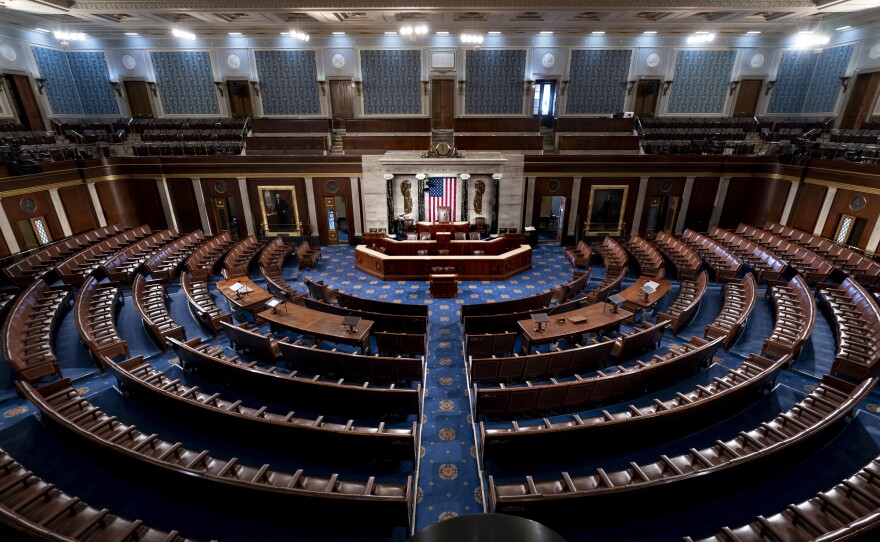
[(383, 307), (690, 293), (739, 302), (795, 317), (570, 289), (687, 262), (75, 269), (767, 266), (212, 411), (271, 263), (307, 255), (615, 261), (489, 344), (650, 260), (579, 256), (804, 426), (149, 300), (506, 307), (646, 337), (94, 317), (245, 337), (381, 321), (202, 304), (239, 258), (358, 367), (204, 259), (519, 368), (857, 329), (30, 328), (122, 265), (88, 424), (813, 267), (725, 264), (164, 263)]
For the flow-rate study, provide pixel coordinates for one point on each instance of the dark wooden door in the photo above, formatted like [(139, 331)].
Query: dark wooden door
[(861, 100), (747, 98), (25, 102), (442, 104), (341, 101), (647, 93), (329, 222), (138, 96), (240, 104)]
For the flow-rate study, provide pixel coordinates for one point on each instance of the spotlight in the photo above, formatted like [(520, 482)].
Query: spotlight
[(183, 34), (700, 38), (69, 36), (474, 39)]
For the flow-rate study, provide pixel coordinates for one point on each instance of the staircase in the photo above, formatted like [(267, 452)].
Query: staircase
[(336, 142), (549, 141)]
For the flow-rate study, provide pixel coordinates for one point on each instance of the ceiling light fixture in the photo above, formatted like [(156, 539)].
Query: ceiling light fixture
[(598, 32), (183, 34), (494, 33), (391, 33), (442, 33), (753, 32), (132, 34), (412, 32), (69, 36), (649, 32), (471, 39), (338, 33), (546, 32), (301, 36), (285, 33), (234, 33), (805, 40), (700, 38), (842, 28), (43, 30)]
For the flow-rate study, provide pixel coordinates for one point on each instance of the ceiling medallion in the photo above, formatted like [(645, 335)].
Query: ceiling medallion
[(874, 53), (665, 185), (128, 62), (220, 187), (233, 61), (332, 186), (858, 203), (553, 186), (27, 205)]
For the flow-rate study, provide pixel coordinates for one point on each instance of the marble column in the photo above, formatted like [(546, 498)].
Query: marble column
[(640, 203), (8, 235), (685, 203), (203, 208), (96, 203), (313, 209), (356, 206), (59, 210), (720, 198), (246, 204), (826, 209), (573, 207), (167, 207), (789, 203), (874, 240), (530, 201)]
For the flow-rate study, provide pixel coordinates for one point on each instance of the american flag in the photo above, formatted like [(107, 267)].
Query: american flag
[(441, 192)]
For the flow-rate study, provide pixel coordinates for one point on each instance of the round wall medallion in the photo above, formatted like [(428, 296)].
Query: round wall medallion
[(220, 187), (8, 52), (548, 60), (757, 60), (128, 62), (233, 61), (338, 60), (653, 60), (858, 203), (332, 187), (666, 185), (27, 205), (874, 52), (553, 186)]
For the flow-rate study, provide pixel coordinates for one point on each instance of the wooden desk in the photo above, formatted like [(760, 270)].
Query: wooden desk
[(596, 320), (448, 227), (320, 324), (253, 301), (635, 298), (443, 285), (468, 267)]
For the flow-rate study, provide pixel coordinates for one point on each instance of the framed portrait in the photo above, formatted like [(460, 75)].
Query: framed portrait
[(280, 212), (442, 61), (607, 203)]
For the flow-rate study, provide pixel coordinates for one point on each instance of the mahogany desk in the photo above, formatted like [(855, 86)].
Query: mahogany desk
[(447, 227), (320, 324), (598, 316), (635, 297), (252, 301)]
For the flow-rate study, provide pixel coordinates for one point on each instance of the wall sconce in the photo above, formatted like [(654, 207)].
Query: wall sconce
[(496, 176), (357, 87), (256, 86), (153, 89), (770, 85), (563, 86), (41, 83), (666, 85), (733, 86), (322, 84), (425, 87), (219, 86), (630, 85), (116, 88), (528, 88), (461, 88), (844, 82)]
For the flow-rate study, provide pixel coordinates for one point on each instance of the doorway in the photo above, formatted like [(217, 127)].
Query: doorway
[(222, 211), (240, 104), (747, 98), (862, 95), (551, 219), (35, 232), (330, 219), (662, 214), (849, 230), (341, 102), (544, 102), (138, 96), (442, 104), (23, 100), (647, 93)]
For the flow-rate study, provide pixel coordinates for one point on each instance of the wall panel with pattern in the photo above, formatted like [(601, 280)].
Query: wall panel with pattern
[(701, 82), (92, 78), (495, 81), (825, 86), (288, 82), (186, 82), (809, 82), (60, 87), (598, 81), (391, 81)]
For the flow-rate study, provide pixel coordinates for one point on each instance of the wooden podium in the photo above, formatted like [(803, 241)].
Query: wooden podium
[(443, 285)]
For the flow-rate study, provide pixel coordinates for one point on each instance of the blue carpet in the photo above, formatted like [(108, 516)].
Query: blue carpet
[(131, 328), (758, 327), (817, 354)]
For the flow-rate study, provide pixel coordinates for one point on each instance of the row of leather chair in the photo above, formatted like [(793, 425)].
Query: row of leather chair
[(163, 265), (572, 288), (532, 302), (863, 269), (94, 316), (724, 263), (856, 319), (201, 303), (381, 321), (579, 255), (24, 272), (307, 255), (149, 300), (271, 264), (320, 291), (384, 307), (669, 479), (122, 266), (411, 344), (247, 338), (316, 496), (740, 296), (204, 259), (687, 262), (489, 344), (643, 338), (813, 267), (540, 365), (795, 317), (614, 259), (237, 260), (355, 367), (763, 262), (649, 258), (690, 293), (75, 269)]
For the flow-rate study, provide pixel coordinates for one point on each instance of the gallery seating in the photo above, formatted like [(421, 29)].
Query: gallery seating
[(381, 321), (213, 413), (579, 255), (333, 396), (149, 300), (384, 307), (649, 258), (685, 306), (38, 510), (533, 302), (608, 385), (202, 305), (615, 260), (245, 337), (763, 263), (271, 263), (795, 317), (29, 331), (164, 263), (687, 262), (740, 296), (813, 267), (356, 367), (88, 426), (625, 426), (807, 425), (307, 256), (94, 312), (489, 344), (542, 365), (724, 263), (645, 337), (855, 319), (412, 344), (239, 258), (76, 268), (204, 259), (121, 267)]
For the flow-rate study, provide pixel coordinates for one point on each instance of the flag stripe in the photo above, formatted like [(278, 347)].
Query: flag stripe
[(440, 195)]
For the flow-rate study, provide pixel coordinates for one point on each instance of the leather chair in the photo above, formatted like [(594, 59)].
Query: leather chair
[(480, 225), (474, 236), (460, 236), (425, 236)]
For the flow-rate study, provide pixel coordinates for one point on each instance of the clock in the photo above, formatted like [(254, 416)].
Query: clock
[(338, 60), (8, 52), (128, 62), (757, 60), (653, 60), (548, 60), (233, 61)]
